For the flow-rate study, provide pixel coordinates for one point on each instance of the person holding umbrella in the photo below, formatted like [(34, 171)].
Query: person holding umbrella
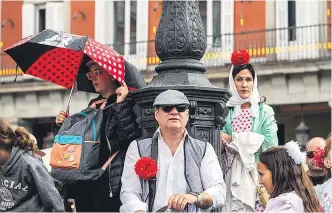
[(79, 61), (120, 130)]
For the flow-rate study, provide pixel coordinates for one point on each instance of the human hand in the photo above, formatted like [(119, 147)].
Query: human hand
[(61, 117), (226, 139), (122, 93), (178, 202)]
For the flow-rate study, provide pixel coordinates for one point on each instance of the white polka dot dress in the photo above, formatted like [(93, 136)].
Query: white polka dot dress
[(242, 123)]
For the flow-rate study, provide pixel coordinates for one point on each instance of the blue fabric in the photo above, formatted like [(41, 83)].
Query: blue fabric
[(82, 113), (68, 139)]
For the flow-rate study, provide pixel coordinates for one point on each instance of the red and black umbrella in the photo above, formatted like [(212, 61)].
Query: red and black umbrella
[(61, 58)]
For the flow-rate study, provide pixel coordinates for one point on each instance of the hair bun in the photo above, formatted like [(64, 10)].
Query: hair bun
[(240, 57)]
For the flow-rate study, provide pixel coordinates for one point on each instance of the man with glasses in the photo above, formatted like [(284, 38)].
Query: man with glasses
[(316, 174), (188, 168), (118, 129)]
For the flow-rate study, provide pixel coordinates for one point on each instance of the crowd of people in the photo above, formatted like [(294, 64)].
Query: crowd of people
[(174, 170)]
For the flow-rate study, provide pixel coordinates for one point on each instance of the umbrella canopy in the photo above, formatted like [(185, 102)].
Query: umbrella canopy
[(61, 58)]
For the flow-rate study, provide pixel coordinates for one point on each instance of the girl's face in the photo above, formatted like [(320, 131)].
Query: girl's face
[(4, 155), (265, 177)]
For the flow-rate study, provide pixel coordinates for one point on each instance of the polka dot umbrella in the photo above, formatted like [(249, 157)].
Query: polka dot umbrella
[(61, 58)]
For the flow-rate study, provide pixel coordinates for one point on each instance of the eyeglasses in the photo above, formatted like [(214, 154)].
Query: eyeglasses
[(93, 74), (310, 154), (179, 108)]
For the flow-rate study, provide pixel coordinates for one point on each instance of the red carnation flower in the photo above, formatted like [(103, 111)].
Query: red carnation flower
[(146, 168), (240, 57), (319, 155)]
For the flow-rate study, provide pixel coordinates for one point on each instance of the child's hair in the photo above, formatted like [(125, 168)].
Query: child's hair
[(287, 176), (19, 137)]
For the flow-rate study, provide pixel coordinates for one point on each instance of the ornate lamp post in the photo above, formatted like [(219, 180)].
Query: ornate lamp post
[(180, 44), (302, 134)]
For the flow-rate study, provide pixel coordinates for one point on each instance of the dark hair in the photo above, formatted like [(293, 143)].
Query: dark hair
[(287, 176), (240, 67), (19, 137)]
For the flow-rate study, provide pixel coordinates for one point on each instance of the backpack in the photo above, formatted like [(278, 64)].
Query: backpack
[(75, 152)]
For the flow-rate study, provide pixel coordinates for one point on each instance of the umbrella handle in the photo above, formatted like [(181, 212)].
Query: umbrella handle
[(67, 111), (70, 94)]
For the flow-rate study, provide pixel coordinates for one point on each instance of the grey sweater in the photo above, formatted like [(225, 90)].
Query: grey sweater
[(26, 186)]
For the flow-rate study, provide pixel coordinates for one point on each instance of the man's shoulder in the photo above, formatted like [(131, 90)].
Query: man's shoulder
[(142, 139), (196, 139)]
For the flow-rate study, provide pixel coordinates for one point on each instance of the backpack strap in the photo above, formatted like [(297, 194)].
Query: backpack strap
[(153, 181), (108, 162)]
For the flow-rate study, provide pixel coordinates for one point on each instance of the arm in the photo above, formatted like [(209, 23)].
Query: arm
[(131, 190), (226, 132), (269, 130), (214, 194), (213, 184), (48, 194), (126, 126)]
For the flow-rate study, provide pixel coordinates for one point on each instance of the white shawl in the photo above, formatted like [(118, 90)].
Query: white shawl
[(243, 170)]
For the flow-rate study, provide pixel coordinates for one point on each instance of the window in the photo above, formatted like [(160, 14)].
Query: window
[(119, 15), (133, 16), (216, 23), (202, 11), (292, 20), (40, 18)]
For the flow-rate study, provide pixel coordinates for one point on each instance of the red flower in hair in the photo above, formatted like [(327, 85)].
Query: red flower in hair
[(240, 57), (146, 168), (319, 155)]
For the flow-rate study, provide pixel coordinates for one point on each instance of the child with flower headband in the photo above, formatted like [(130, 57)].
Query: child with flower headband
[(282, 173), (324, 191)]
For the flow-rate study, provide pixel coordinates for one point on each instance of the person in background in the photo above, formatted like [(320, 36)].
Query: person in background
[(316, 174), (324, 191), (119, 129), (247, 116), (282, 173), (26, 185)]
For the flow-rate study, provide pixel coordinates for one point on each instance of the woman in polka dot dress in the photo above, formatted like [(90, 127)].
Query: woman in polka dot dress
[(247, 113)]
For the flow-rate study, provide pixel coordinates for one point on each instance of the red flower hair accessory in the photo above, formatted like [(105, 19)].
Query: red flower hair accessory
[(319, 155), (240, 57), (146, 168)]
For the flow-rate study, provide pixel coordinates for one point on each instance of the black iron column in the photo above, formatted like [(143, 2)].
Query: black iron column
[(180, 44)]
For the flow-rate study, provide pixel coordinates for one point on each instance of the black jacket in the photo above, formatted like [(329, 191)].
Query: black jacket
[(121, 129), (119, 123)]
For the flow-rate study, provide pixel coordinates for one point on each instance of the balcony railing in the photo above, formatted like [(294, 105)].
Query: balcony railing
[(265, 46)]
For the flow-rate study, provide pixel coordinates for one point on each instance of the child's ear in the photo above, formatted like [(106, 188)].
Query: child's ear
[(327, 163)]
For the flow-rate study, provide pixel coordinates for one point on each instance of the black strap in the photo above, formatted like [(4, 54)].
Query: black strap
[(153, 181)]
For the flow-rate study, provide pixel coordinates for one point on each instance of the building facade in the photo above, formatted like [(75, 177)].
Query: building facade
[(289, 41)]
